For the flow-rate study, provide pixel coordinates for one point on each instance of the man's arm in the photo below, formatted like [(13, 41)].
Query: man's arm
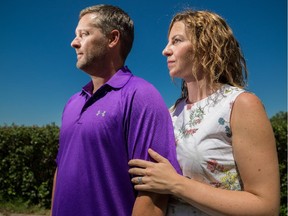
[(149, 126), (150, 204), (53, 190)]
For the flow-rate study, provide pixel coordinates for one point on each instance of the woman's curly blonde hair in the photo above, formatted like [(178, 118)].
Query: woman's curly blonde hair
[(216, 52)]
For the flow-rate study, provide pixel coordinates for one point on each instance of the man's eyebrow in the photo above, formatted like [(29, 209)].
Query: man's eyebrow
[(81, 30)]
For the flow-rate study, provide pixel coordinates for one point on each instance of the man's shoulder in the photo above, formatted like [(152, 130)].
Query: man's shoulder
[(139, 84), (139, 79), (143, 93)]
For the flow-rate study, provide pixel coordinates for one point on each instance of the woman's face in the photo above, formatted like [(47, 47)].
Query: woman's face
[(179, 52)]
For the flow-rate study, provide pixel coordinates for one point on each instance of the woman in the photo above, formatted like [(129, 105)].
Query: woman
[(225, 143)]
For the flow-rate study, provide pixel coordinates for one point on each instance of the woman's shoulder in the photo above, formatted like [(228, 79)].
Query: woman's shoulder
[(248, 99), (248, 104)]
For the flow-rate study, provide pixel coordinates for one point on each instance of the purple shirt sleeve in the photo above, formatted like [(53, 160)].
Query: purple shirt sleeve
[(148, 125)]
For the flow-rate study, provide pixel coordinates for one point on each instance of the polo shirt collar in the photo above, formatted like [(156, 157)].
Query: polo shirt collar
[(117, 81), (120, 78)]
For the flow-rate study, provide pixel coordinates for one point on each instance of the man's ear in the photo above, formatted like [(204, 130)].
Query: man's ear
[(114, 38)]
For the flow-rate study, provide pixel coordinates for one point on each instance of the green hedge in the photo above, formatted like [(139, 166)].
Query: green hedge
[(279, 125), (27, 161)]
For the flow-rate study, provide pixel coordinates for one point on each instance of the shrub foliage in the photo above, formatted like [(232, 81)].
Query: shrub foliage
[(27, 161), (279, 124)]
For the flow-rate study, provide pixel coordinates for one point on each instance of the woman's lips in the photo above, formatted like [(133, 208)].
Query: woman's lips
[(170, 63)]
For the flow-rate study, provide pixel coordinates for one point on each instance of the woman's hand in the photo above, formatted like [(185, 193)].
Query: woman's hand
[(157, 177)]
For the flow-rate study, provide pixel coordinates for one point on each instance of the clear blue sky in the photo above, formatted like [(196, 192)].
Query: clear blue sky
[(38, 72)]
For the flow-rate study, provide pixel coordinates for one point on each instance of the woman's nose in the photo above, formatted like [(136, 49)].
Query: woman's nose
[(166, 51)]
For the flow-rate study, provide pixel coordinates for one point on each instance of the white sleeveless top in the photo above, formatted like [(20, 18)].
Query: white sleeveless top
[(203, 139)]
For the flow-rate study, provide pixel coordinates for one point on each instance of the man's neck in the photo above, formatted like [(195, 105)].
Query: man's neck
[(98, 81), (100, 74)]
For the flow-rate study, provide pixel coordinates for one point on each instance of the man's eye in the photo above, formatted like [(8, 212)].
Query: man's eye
[(83, 34)]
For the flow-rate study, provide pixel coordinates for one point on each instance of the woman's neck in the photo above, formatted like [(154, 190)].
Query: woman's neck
[(198, 90)]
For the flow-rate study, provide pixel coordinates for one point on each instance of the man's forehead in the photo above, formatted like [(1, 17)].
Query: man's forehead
[(89, 16), (85, 21)]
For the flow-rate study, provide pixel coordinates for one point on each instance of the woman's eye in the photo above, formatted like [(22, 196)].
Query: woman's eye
[(176, 40)]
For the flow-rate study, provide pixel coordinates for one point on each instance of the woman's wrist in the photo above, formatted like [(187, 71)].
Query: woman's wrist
[(177, 185)]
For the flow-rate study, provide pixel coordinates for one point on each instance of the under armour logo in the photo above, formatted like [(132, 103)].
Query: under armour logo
[(102, 113)]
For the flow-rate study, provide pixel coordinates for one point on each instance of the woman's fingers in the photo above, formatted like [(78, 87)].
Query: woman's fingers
[(139, 163), (138, 180), (145, 164), (157, 157), (137, 171)]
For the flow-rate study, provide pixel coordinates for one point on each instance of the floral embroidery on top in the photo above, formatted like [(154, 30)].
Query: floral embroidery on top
[(230, 181), (227, 91), (213, 166), (222, 121), (195, 118)]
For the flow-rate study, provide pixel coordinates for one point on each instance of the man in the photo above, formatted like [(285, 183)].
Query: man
[(116, 117)]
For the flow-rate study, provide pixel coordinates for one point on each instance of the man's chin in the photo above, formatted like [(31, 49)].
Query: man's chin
[(83, 67)]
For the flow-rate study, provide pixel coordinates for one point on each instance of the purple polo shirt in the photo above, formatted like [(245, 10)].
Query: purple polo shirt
[(100, 133)]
